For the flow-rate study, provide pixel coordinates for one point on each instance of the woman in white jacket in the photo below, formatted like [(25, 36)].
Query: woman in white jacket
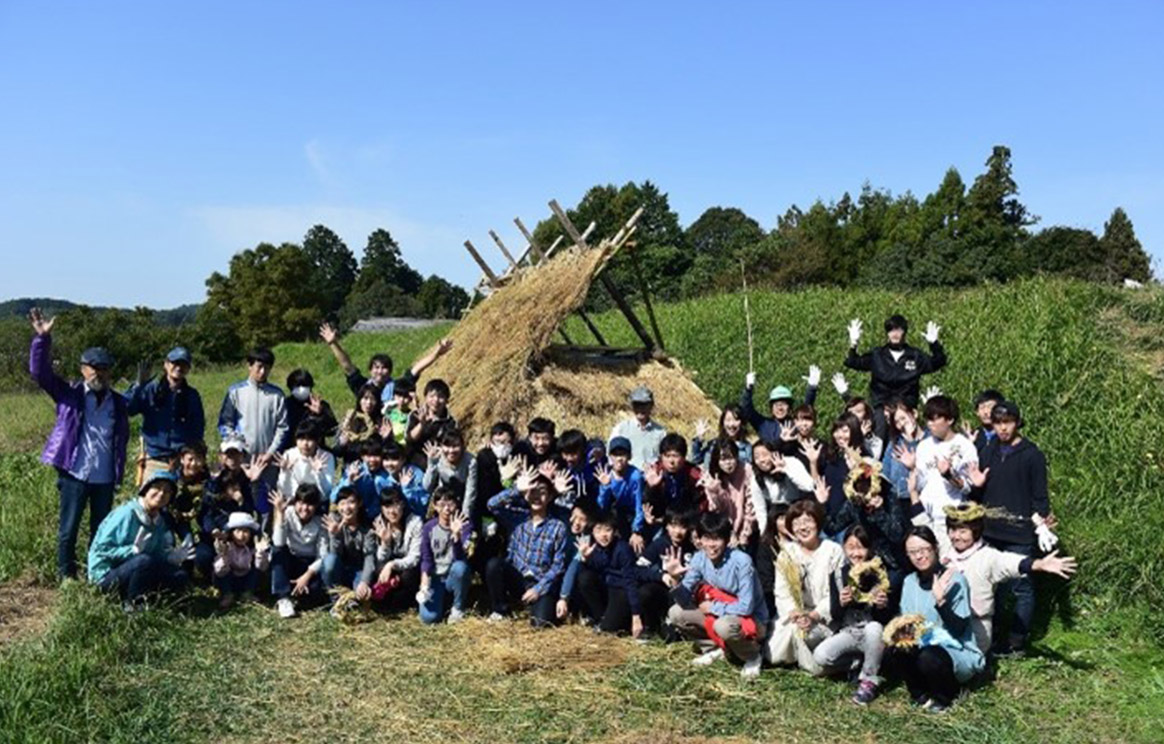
[(804, 571), (306, 462)]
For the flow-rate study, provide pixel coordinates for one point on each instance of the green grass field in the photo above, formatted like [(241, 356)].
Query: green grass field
[(1065, 351)]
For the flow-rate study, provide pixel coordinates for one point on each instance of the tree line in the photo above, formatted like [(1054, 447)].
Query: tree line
[(956, 236)]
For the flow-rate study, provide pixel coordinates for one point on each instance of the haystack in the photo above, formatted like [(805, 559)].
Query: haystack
[(504, 366)]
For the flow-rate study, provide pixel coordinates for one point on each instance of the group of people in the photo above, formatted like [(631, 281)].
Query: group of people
[(877, 545)]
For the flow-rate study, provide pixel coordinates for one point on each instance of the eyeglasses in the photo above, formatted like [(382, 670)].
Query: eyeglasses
[(918, 552)]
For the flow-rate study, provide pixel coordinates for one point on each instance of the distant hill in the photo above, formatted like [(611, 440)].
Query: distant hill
[(20, 307)]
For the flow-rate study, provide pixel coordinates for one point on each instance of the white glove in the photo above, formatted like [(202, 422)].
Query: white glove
[(931, 334), (813, 378), (182, 553), (930, 392), (750, 380), (854, 332), (1047, 539), (840, 384), (139, 542)]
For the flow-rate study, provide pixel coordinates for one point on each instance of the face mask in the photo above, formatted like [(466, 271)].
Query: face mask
[(501, 451), (301, 393)]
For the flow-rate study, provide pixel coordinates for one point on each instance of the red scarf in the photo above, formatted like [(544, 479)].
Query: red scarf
[(708, 593)]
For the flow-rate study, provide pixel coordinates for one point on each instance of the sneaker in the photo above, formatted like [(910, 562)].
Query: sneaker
[(866, 691), (456, 616), (708, 658), (933, 706), (226, 602), (495, 617), (285, 607), (752, 666)]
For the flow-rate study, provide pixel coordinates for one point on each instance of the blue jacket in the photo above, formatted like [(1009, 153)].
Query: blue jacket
[(369, 486), (113, 543), (625, 496), (170, 420)]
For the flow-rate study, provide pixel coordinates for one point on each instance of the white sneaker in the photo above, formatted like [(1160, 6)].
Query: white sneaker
[(285, 607), (752, 666), (456, 616), (495, 617), (708, 658)]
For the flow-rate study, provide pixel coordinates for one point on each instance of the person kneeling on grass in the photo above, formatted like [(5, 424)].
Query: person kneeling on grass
[(133, 552), (804, 570), (445, 542), (351, 550), (931, 644), (537, 550), (398, 551), (300, 542), (607, 580), (720, 604), (860, 607), (238, 562)]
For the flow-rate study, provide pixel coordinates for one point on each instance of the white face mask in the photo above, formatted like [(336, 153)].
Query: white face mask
[(501, 451), (301, 393)]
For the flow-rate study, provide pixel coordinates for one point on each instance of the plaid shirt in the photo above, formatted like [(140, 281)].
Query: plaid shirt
[(537, 551)]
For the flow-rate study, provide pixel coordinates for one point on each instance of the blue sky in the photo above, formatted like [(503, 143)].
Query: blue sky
[(143, 144)]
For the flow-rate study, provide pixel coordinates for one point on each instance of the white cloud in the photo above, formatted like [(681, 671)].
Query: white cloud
[(428, 248)]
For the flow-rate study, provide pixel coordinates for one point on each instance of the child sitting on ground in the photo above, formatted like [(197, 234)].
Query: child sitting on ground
[(607, 581), (239, 559), (351, 549), (299, 542), (397, 571), (662, 565)]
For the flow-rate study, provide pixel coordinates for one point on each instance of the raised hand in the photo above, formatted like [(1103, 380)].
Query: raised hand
[(511, 467), (701, 428), (563, 481), (406, 475), (278, 503), (332, 524), (1047, 539), (673, 562), (525, 481), (319, 462), (141, 540), (315, 404), (432, 451), (328, 333), (854, 332), (585, 547), (967, 429), (811, 450), (457, 525), (548, 468), (653, 475), (40, 324), (1051, 563), (182, 552), (777, 463), (787, 431), (867, 427), (942, 585), (637, 543), (813, 377), (906, 456), (262, 545), (943, 465), (930, 392), (750, 380), (649, 513), (603, 475), (383, 530), (355, 472), (977, 477), (840, 384), (932, 331), (443, 346), (821, 490), (143, 372), (220, 545)]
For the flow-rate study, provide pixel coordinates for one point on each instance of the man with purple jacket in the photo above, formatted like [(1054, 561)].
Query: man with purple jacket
[(88, 442)]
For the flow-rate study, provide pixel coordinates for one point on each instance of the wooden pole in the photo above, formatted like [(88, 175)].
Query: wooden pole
[(647, 298), (593, 328), (504, 250), (533, 247), (553, 247), (481, 262), (748, 318)]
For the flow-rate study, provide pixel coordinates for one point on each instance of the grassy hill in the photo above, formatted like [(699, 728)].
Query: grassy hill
[(1080, 359)]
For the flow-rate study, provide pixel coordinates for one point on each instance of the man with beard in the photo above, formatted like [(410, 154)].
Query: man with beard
[(88, 442), (896, 368)]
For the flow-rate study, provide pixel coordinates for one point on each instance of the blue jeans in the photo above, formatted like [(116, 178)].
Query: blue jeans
[(231, 584), (285, 568), (455, 582), (1023, 590), (337, 573), (142, 574), (75, 494)]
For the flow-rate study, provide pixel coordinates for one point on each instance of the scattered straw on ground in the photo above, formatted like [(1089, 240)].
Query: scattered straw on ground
[(515, 647), (25, 608)]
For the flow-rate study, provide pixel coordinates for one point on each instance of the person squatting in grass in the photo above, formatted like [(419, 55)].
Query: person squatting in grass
[(350, 560), (606, 580), (299, 542), (239, 559), (397, 567), (719, 603), (445, 546)]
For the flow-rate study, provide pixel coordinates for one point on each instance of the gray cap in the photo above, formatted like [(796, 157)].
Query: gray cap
[(97, 356), (179, 354), (642, 394)]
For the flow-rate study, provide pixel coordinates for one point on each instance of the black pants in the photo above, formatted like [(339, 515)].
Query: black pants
[(506, 585), (927, 672), (402, 597), (608, 607), (654, 601)]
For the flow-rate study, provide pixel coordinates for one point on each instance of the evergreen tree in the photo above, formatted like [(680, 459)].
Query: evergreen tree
[(335, 266), (1123, 256)]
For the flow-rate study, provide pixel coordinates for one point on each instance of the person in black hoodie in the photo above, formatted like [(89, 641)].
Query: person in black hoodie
[(540, 445), (871, 505), (1012, 475), (896, 368), (304, 405), (607, 579)]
